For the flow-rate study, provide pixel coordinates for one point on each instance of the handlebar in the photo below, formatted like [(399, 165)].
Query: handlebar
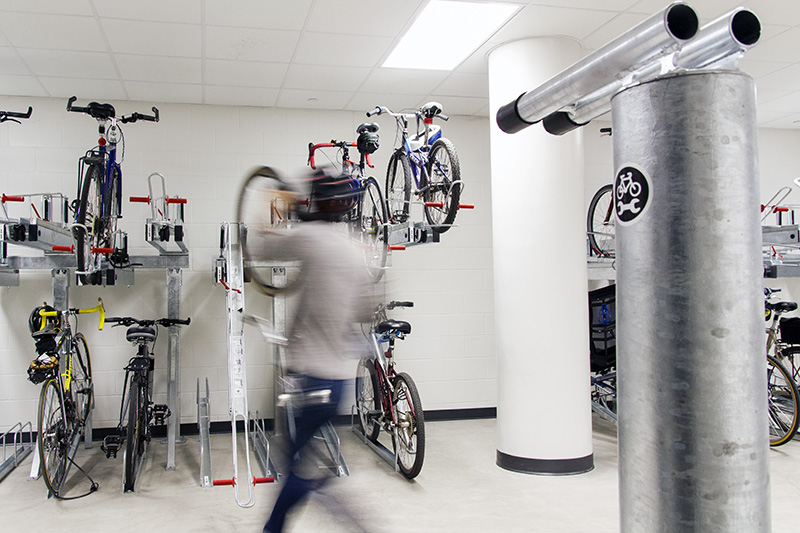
[(76, 311), (130, 321), (333, 144), (427, 112), (11, 115), (107, 111)]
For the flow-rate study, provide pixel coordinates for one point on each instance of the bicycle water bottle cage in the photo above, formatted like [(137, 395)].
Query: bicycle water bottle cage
[(101, 111), (393, 326), (135, 334)]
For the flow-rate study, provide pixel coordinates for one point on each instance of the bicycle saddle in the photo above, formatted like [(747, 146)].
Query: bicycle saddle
[(369, 127), (103, 111), (393, 325), (140, 333), (784, 307)]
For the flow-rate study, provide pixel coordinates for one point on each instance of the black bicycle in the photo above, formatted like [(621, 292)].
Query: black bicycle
[(137, 403)]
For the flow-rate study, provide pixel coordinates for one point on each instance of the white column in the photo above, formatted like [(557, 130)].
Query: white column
[(540, 279)]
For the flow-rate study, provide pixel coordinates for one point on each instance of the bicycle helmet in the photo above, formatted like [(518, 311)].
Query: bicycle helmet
[(330, 198), (367, 142), (40, 326)]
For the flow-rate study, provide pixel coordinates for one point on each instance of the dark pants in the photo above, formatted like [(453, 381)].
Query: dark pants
[(307, 423)]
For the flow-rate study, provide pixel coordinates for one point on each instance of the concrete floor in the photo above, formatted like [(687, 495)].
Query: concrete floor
[(459, 490)]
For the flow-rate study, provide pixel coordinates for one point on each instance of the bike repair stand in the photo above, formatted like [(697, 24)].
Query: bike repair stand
[(231, 275)]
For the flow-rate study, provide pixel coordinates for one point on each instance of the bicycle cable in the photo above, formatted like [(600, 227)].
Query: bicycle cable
[(93, 488)]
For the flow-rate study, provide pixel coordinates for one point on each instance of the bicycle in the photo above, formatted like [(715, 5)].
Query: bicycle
[(67, 396), (369, 218), (137, 402), (784, 404), (388, 400), (430, 161), (600, 222), (99, 196)]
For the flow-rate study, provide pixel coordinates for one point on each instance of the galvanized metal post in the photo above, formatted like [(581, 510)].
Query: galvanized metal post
[(693, 439), (174, 281)]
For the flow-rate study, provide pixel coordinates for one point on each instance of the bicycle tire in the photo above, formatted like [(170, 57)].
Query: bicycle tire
[(790, 354), (89, 220), (398, 190), (783, 406), (136, 434), (410, 429), (368, 398), (262, 206), (442, 186), (81, 371), (53, 436), (600, 220), (372, 231)]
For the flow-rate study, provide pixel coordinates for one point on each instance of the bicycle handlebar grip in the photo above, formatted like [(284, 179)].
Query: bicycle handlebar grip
[(176, 200), (376, 111), (140, 199), (75, 109), (311, 148), (6, 198), (403, 304)]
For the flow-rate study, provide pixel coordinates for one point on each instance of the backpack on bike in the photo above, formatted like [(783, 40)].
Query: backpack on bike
[(790, 330)]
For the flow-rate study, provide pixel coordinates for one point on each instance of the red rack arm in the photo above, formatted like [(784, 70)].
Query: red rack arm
[(102, 250), (13, 198), (70, 248), (221, 482), (396, 247), (434, 204), (141, 199), (466, 206), (176, 200)]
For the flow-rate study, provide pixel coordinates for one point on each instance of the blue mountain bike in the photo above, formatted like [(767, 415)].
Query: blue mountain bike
[(99, 200)]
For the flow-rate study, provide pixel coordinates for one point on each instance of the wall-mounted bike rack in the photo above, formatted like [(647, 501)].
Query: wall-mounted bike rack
[(16, 447)]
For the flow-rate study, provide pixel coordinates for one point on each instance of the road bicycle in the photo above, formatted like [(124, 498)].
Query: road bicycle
[(784, 403), (429, 161), (99, 196), (368, 219), (67, 396), (388, 400), (137, 403), (600, 222), (12, 116)]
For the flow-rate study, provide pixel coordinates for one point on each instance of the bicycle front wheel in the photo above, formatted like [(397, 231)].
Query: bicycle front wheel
[(90, 225), (81, 370), (398, 186), (442, 187), (782, 404), (368, 399), (600, 222), (264, 205), (53, 436), (409, 437), (372, 232), (135, 439)]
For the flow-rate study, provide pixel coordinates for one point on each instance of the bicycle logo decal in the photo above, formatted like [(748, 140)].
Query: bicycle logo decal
[(604, 315), (631, 194)]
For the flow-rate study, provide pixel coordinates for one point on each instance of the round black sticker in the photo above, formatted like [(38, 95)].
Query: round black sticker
[(631, 194)]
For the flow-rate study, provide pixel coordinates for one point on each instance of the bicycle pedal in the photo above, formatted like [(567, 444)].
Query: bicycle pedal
[(160, 413), (111, 445)]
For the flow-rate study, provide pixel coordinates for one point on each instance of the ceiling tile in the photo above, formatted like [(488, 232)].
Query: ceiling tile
[(760, 68), (244, 73), (368, 18), (789, 103), (59, 32), (249, 96), (273, 14), (780, 47), (772, 12), (400, 80), (366, 101), (537, 21), (152, 38), (611, 30), (464, 84), (306, 99), (344, 50), (164, 92), (11, 63), (324, 77), (11, 85), (161, 69), (69, 64), (84, 89), (250, 44), (786, 79), (707, 10), (58, 7), (151, 10), (460, 105)]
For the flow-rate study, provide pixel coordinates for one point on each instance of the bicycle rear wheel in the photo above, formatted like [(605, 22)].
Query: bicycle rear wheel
[(264, 205), (600, 222), (136, 437), (783, 407), (398, 186), (372, 232), (368, 398), (53, 436), (81, 370), (442, 187), (90, 224), (409, 439)]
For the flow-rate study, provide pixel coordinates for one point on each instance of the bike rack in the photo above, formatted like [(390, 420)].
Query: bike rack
[(160, 227), (204, 428), (20, 448), (383, 452)]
